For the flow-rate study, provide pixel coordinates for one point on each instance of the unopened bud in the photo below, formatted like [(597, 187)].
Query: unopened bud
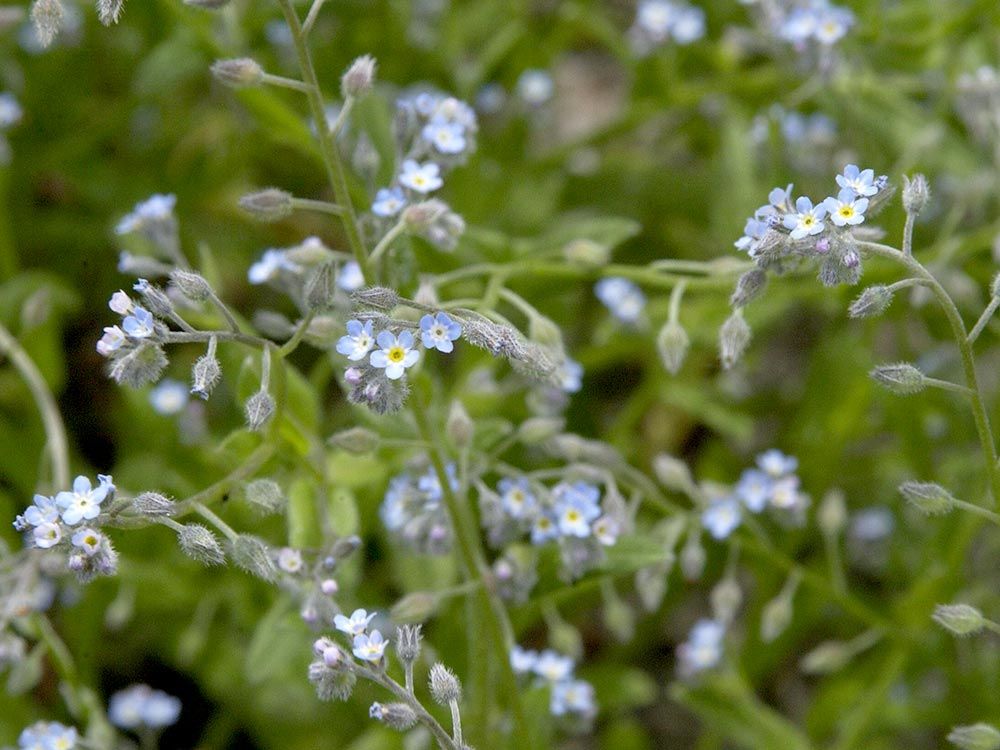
[(199, 543), (445, 687), (141, 366), (47, 16), (191, 285), (831, 517), (827, 657), (901, 378), (535, 430), (960, 619), (379, 297), (775, 618), (155, 299), (586, 252), (272, 204), (358, 79), (459, 426), (321, 287), (153, 504), (357, 440), (749, 287), (916, 193), (408, 643), (693, 556), (258, 409), (929, 498), (672, 345), (672, 473), (872, 302), (205, 375), (238, 72), (979, 736), (399, 716), (264, 496), (253, 555), (734, 337), (726, 598)]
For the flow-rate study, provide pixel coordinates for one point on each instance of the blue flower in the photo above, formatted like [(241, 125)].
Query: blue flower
[(43, 510), (572, 696), (111, 341), (120, 303), (350, 278), (776, 463), (535, 87), (439, 331), (139, 324), (576, 505), (169, 397), (703, 648), (523, 660), (388, 202), (570, 375), (84, 502), (754, 489), (753, 233), (47, 736), (10, 110), (543, 529), (847, 209), (422, 178), (446, 137), (807, 220), (370, 647), (622, 297), (270, 266), (553, 667), (157, 209), (785, 494), (721, 517), (606, 530), (87, 540), (862, 183), (430, 484), (516, 497), (139, 706), (832, 23), (356, 624), (358, 342), (395, 354)]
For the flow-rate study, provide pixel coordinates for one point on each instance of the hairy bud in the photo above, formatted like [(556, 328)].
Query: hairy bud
[(142, 365), (831, 516), (872, 302), (252, 554), (399, 716), (672, 473), (199, 543), (155, 299), (535, 430), (726, 598), (827, 657), (47, 17), (586, 252), (153, 504), (979, 736), (459, 426), (258, 409), (358, 79), (916, 194), (205, 375), (408, 643), (191, 285), (445, 687), (929, 498), (321, 287), (672, 345), (775, 617), (238, 72), (264, 496), (734, 337), (959, 619), (901, 378), (749, 287), (271, 204), (379, 297)]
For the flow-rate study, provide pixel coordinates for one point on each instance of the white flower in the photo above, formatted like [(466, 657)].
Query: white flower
[(47, 534), (422, 178), (112, 340), (523, 660), (290, 560), (535, 87), (446, 137), (553, 667), (87, 540), (356, 624), (395, 354), (270, 266), (84, 502), (370, 647), (120, 303)]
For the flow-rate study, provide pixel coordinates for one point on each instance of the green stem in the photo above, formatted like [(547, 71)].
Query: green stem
[(390, 236), (979, 414), (247, 469), (285, 83), (55, 430), (983, 320), (323, 207), (328, 148), (292, 344)]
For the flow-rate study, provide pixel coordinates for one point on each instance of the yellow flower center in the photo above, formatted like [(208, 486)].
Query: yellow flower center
[(396, 354), (573, 515), (846, 211), (808, 221)]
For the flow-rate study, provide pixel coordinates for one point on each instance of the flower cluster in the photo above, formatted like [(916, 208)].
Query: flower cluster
[(813, 21), (139, 707), (788, 227), (332, 672), (703, 648), (47, 735), (772, 484), (134, 353), (623, 298), (310, 578), (289, 268), (56, 521), (570, 697), (660, 21), (413, 510)]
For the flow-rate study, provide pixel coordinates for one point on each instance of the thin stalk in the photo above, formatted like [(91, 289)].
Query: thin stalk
[(323, 207), (285, 83), (983, 320), (55, 431), (945, 385), (328, 148), (247, 469), (212, 518), (387, 240), (676, 295), (979, 413), (226, 312), (908, 236), (292, 344), (203, 337), (312, 16)]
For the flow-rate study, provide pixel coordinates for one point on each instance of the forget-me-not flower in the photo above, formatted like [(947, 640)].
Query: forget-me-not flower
[(446, 137), (139, 706), (395, 354), (84, 502), (862, 182), (422, 178), (572, 696), (138, 325), (807, 219), (370, 647), (777, 464), (847, 209), (270, 266), (356, 624), (439, 331), (516, 497), (350, 278), (703, 648), (388, 202), (552, 666), (358, 342), (156, 209), (721, 517), (169, 397)]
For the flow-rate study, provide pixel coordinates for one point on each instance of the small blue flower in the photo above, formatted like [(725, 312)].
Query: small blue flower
[(543, 529), (157, 209), (570, 375), (395, 354), (138, 325), (847, 209), (439, 331), (535, 87), (430, 485), (606, 530), (141, 707), (576, 505), (806, 220), (553, 667), (754, 489), (120, 303), (523, 660), (47, 535), (111, 341), (270, 266), (572, 697), (622, 297), (446, 137), (84, 502), (43, 510), (721, 517), (388, 202), (370, 647), (358, 342), (356, 624), (753, 233), (10, 110), (776, 464), (785, 494), (516, 497), (47, 736), (169, 397), (832, 24), (88, 540), (703, 648), (350, 278), (421, 178), (862, 183)]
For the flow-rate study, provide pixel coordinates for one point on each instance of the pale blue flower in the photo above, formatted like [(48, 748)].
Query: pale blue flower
[(535, 87), (516, 497), (270, 266), (158, 209), (439, 331), (47, 534), (358, 342), (832, 24), (430, 484), (388, 202), (754, 489), (656, 18), (606, 530), (350, 278), (807, 220), (88, 540), (169, 397), (421, 178), (395, 354), (753, 233), (523, 660), (575, 506), (543, 529), (570, 375), (785, 493), (446, 137), (572, 697), (861, 182), (50, 735), (138, 325), (847, 209), (10, 110), (703, 648), (43, 510), (111, 341), (553, 667), (456, 112), (622, 297), (721, 517), (139, 706), (776, 464), (356, 624), (120, 303), (84, 502), (689, 25), (370, 647)]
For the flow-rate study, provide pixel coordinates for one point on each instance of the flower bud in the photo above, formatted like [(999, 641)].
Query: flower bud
[(205, 375), (238, 72), (535, 430), (749, 287), (960, 619), (252, 555), (271, 204), (901, 378), (929, 498), (199, 543), (47, 16), (672, 473), (408, 643), (916, 193), (619, 618), (321, 287), (379, 297), (358, 79), (672, 345), (141, 366), (191, 285), (693, 556), (108, 11), (399, 716), (445, 687), (156, 300), (153, 504), (734, 337), (586, 252), (872, 302), (459, 426), (357, 440), (827, 657), (831, 517), (775, 618), (726, 598), (264, 496), (258, 409), (975, 737)]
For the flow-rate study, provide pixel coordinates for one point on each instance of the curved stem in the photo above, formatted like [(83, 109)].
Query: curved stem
[(379, 677), (960, 335), (55, 430)]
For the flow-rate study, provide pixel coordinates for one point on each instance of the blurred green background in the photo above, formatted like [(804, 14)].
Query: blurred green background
[(679, 147)]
